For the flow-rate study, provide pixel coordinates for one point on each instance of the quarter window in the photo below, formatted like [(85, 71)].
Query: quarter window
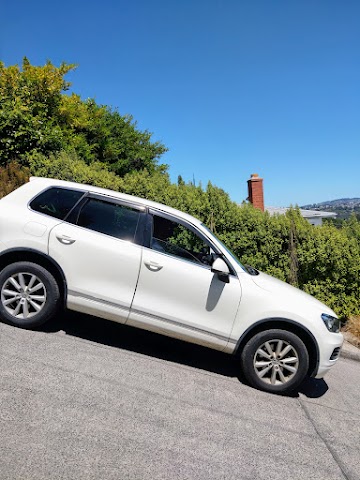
[(175, 239), (56, 202), (110, 218)]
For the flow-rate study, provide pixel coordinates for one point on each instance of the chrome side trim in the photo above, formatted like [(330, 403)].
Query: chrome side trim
[(99, 300), (153, 316), (182, 325)]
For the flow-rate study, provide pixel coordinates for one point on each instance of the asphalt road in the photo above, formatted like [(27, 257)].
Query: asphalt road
[(90, 399)]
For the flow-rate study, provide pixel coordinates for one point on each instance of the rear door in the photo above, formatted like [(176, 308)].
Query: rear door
[(99, 250), (29, 225)]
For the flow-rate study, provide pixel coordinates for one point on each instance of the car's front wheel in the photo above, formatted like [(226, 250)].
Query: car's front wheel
[(275, 360), (29, 294)]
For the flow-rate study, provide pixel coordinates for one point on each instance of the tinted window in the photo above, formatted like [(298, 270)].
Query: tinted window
[(56, 202), (112, 219), (175, 239)]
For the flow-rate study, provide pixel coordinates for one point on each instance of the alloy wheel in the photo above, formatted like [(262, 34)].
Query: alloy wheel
[(276, 362), (23, 295)]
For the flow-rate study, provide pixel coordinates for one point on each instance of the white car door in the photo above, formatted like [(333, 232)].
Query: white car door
[(99, 256), (177, 293)]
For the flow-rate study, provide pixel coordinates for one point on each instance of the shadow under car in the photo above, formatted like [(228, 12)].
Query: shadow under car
[(158, 346)]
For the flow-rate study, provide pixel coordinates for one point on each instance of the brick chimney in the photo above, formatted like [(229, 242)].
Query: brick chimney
[(256, 191)]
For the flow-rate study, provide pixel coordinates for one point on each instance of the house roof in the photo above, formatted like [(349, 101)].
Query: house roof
[(304, 213)]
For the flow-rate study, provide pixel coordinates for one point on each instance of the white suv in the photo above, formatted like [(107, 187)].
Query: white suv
[(137, 262)]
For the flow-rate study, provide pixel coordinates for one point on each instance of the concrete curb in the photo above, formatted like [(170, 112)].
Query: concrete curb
[(350, 351)]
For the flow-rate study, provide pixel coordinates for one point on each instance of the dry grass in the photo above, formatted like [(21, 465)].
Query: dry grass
[(11, 177), (352, 326)]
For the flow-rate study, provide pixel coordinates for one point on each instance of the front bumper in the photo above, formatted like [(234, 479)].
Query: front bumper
[(329, 354)]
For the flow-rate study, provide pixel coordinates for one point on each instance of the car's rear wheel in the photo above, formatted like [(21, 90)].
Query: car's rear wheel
[(275, 361), (29, 294)]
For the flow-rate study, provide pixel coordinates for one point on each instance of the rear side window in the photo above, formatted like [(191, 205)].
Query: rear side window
[(113, 219), (56, 202)]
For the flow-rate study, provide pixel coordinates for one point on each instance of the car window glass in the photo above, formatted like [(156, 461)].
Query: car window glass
[(56, 202), (174, 239), (112, 219)]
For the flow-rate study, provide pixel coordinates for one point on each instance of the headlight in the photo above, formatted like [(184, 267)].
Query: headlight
[(332, 323)]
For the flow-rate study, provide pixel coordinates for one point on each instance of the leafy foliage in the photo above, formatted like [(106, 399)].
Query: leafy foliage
[(324, 261), (36, 116), (56, 135)]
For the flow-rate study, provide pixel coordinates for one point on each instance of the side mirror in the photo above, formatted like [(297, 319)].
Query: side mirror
[(220, 267)]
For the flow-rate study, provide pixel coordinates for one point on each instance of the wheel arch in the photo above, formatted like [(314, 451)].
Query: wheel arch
[(284, 324), (30, 255)]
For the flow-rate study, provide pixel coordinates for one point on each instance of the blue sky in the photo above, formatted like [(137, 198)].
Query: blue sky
[(231, 87)]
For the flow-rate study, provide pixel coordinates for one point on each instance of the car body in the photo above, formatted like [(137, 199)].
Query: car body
[(150, 266)]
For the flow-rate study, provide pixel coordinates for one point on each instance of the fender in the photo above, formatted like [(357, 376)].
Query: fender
[(31, 255), (285, 324)]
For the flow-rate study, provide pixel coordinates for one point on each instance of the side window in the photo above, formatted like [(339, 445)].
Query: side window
[(174, 239), (56, 202), (110, 218)]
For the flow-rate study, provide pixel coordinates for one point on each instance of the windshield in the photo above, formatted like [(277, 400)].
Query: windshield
[(228, 251)]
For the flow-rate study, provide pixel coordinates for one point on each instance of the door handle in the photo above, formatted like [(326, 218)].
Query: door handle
[(64, 239), (153, 266)]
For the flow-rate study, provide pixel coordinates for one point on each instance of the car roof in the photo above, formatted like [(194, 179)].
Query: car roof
[(47, 182)]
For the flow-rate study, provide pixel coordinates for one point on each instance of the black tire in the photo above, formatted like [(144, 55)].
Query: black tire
[(275, 361), (29, 295)]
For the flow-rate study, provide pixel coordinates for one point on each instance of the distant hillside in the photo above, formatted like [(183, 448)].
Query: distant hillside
[(344, 207)]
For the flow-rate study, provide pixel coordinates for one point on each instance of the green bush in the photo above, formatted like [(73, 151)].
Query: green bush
[(323, 261), (37, 116)]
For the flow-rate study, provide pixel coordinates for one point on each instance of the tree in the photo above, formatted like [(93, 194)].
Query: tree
[(30, 101), (36, 116)]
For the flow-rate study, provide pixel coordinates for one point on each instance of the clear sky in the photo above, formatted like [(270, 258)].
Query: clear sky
[(231, 87)]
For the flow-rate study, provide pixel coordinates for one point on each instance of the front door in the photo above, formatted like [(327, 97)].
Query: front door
[(177, 294)]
